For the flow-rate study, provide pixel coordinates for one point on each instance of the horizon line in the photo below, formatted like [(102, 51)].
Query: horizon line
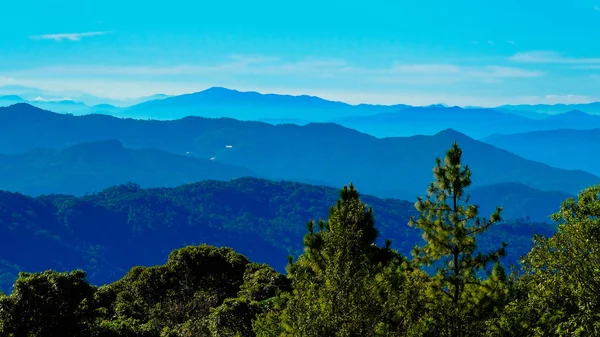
[(131, 100)]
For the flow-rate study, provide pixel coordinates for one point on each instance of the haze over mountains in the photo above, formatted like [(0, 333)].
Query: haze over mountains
[(91, 167), (554, 109), (222, 102), (290, 152), (477, 123), (47, 153), (562, 148), (377, 120), (35, 95)]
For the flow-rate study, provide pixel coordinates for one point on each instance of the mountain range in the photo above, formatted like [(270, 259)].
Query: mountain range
[(553, 109), (91, 167), (477, 123), (564, 148), (222, 102), (62, 106), (377, 120), (317, 152), (32, 95)]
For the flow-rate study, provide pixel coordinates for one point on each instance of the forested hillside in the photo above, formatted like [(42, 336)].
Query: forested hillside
[(347, 281), (111, 231)]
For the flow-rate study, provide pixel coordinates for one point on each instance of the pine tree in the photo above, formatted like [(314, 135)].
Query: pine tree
[(450, 227), (335, 280)]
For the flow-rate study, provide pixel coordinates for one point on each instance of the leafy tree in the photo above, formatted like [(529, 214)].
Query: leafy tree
[(450, 227), (48, 304), (560, 283), (175, 298), (262, 282), (233, 318)]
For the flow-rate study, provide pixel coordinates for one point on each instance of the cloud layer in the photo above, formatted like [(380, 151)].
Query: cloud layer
[(309, 68), (67, 36), (551, 57), (485, 82)]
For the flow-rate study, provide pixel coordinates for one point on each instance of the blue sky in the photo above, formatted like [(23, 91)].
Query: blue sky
[(415, 52)]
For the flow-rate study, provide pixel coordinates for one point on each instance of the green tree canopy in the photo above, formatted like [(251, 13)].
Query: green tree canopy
[(450, 228), (559, 290), (48, 304)]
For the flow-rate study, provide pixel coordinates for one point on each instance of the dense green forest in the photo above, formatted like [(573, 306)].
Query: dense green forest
[(108, 233), (348, 281)]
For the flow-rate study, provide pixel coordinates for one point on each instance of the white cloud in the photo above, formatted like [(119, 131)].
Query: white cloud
[(550, 57), (588, 66), (330, 78), (428, 74), (113, 89), (6, 80), (67, 36), (425, 69), (509, 72), (568, 99), (555, 99), (310, 68)]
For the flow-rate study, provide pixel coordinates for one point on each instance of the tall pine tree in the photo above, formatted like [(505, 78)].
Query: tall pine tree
[(336, 289), (450, 227)]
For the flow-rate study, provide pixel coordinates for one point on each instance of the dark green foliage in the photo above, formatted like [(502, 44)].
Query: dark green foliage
[(48, 304), (200, 291), (234, 318), (109, 232), (558, 292), (344, 284), (333, 281), (194, 280)]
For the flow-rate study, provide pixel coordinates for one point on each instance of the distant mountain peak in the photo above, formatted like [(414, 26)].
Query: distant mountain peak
[(219, 89), (22, 107), (11, 98), (572, 115), (25, 108), (450, 136), (451, 132), (575, 113)]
